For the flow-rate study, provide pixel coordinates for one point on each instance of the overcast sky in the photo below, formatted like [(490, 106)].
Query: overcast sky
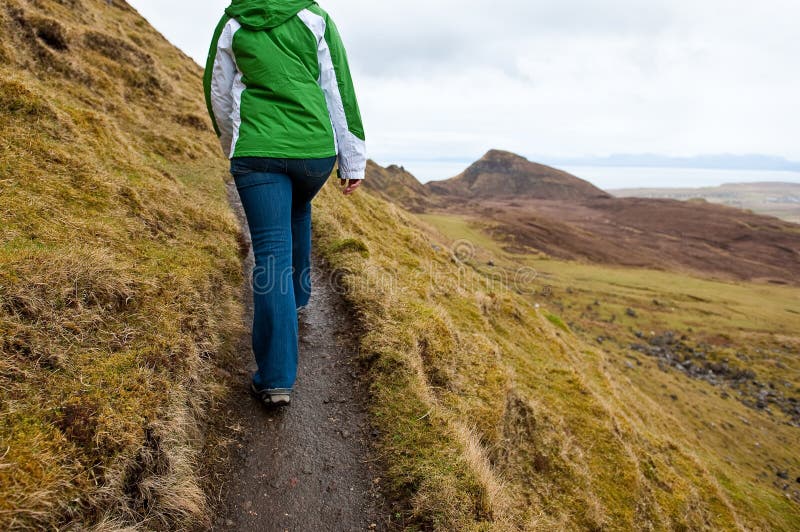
[(557, 78)]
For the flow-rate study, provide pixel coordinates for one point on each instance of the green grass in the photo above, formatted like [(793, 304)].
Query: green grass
[(702, 453), (473, 232), (349, 245), (495, 417), (558, 322)]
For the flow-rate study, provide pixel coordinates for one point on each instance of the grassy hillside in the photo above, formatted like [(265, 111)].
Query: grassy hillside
[(119, 268), (534, 208), (495, 415), (502, 174), (734, 408)]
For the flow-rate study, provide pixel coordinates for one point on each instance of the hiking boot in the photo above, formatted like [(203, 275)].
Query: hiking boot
[(276, 397)]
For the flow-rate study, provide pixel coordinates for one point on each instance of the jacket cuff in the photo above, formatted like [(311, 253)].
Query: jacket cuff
[(351, 174)]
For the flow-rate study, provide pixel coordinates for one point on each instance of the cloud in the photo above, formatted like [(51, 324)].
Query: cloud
[(582, 77), (569, 78), (446, 35)]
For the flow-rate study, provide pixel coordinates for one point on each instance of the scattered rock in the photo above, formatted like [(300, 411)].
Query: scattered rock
[(631, 313), (699, 362)]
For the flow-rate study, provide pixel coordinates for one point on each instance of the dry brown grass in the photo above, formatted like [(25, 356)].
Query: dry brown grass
[(119, 270)]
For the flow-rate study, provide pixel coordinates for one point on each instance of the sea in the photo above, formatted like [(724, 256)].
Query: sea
[(612, 177)]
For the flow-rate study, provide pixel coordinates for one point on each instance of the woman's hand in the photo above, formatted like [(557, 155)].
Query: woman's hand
[(350, 185)]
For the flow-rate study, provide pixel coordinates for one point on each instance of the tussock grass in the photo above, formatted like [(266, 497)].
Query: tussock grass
[(119, 271), (349, 245), (494, 415), (689, 454), (557, 321)]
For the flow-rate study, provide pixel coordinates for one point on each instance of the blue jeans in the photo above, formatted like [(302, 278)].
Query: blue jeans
[(276, 195)]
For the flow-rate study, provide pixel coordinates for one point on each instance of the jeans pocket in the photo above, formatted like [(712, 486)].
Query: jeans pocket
[(319, 167), (241, 166)]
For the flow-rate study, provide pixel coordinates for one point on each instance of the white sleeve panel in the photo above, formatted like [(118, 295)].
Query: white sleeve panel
[(222, 84)]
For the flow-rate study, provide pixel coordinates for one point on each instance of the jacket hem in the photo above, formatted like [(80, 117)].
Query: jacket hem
[(281, 155)]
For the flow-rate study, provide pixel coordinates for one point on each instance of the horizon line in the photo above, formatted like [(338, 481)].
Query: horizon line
[(710, 161)]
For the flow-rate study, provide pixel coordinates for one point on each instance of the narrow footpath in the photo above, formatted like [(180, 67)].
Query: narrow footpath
[(307, 467)]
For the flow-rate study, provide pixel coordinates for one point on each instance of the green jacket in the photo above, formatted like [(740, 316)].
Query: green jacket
[(278, 84)]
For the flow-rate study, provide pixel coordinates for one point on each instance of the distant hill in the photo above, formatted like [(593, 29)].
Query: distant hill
[(535, 207), (396, 184), (719, 162), (699, 237), (781, 200), (501, 174)]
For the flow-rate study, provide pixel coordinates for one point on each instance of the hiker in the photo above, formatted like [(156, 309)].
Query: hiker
[(281, 98)]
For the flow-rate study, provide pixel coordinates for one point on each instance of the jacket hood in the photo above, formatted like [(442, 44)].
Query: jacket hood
[(265, 14)]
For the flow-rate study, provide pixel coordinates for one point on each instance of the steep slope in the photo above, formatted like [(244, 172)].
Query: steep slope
[(493, 415), (501, 174), (719, 359), (119, 269)]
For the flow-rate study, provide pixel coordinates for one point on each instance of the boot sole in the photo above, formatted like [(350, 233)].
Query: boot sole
[(275, 399)]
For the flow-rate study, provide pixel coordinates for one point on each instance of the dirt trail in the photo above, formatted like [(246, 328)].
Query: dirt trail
[(307, 467)]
